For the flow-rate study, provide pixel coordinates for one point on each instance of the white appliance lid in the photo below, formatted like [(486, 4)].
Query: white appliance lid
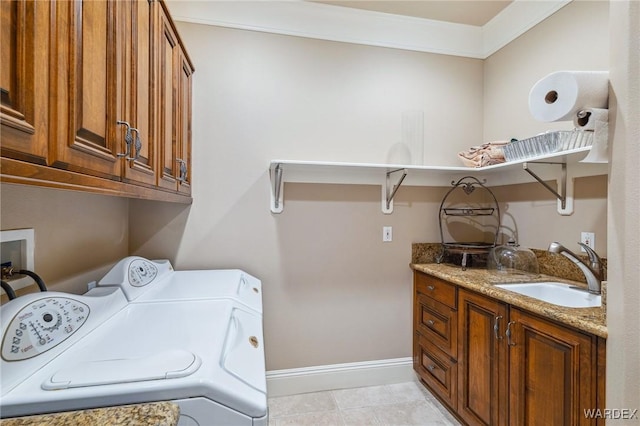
[(199, 327), (169, 364), (207, 284)]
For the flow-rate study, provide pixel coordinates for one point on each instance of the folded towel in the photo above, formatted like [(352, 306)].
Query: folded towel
[(487, 154)]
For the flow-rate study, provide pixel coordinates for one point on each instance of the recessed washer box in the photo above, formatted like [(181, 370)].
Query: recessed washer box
[(17, 247)]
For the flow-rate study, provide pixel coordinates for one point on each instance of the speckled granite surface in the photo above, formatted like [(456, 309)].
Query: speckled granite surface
[(153, 414), (552, 266)]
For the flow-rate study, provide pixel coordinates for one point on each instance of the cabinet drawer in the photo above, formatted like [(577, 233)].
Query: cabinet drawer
[(435, 288), (436, 369), (438, 323)]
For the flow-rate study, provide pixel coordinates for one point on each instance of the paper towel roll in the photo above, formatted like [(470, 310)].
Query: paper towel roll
[(560, 95), (588, 118)]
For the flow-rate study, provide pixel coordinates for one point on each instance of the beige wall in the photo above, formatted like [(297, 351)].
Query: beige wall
[(75, 233), (334, 292), (623, 289), (574, 38)]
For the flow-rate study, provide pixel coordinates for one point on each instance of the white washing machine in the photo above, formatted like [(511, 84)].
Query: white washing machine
[(145, 281), (65, 352)]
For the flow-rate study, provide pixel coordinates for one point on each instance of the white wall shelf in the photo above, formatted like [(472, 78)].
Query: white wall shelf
[(391, 176)]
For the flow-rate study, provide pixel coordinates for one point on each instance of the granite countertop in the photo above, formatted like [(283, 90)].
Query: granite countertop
[(553, 267), (591, 320), (152, 414)]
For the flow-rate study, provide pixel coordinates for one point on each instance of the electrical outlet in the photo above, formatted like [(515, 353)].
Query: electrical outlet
[(589, 239), (387, 234)]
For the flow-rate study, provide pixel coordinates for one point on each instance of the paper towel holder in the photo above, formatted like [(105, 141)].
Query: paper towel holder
[(565, 196)]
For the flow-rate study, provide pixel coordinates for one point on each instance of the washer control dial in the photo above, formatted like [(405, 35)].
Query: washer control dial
[(42, 325), (142, 272)]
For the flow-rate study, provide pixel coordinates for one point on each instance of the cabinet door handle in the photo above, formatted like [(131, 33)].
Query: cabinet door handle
[(430, 288), (430, 323), (183, 170), (496, 327), (431, 367), (137, 144), (508, 333), (128, 140)]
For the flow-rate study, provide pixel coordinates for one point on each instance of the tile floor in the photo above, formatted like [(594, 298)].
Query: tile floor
[(397, 404)]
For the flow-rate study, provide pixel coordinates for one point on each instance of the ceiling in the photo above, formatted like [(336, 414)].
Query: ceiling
[(470, 12)]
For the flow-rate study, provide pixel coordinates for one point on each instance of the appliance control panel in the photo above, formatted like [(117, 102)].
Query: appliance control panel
[(141, 272), (42, 325), (135, 275)]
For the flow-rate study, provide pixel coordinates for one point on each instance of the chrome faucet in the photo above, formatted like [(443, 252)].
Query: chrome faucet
[(593, 272)]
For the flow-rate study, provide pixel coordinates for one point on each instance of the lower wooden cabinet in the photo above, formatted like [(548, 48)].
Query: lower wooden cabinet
[(483, 360), (437, 369), (435, 335), (511, 367), (552, 378)]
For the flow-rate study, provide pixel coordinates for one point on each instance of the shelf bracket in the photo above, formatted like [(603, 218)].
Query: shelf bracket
[(389, 190), (565, 196), (277, 189)]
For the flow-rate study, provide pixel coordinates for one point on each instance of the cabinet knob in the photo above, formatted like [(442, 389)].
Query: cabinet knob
[(430, 288), (431, 367), (430, 323)]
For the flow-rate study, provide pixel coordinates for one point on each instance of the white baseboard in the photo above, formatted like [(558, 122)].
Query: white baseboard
[(339, 376)]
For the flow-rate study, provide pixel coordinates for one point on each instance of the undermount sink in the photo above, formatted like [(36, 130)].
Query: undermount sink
[(557, 293)]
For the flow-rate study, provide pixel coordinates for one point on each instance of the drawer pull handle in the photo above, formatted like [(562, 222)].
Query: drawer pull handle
[(430, 288), (182, 178), (128, 139), (496, 327), (431, 367), (430, 323), (508, 333), (137, 144)]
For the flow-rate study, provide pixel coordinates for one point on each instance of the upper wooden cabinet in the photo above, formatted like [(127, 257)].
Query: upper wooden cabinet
[(24, 86), (88, 86), (84, 98), (174, 129), (141, 74)]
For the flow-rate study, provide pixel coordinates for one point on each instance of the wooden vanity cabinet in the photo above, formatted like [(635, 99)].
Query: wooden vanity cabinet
[(513, 367), (72, 75), (483, 360), (552, 372), (435, 335)]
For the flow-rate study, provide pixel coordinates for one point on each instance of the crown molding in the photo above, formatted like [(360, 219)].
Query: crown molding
[(349, 25), (514, 20)]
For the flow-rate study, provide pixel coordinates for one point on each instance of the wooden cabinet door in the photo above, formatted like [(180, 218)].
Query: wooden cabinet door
[(168, 59), (184, 124), (24, 79), (482, 360), (552, 373), (141, 164), (87, 86)]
